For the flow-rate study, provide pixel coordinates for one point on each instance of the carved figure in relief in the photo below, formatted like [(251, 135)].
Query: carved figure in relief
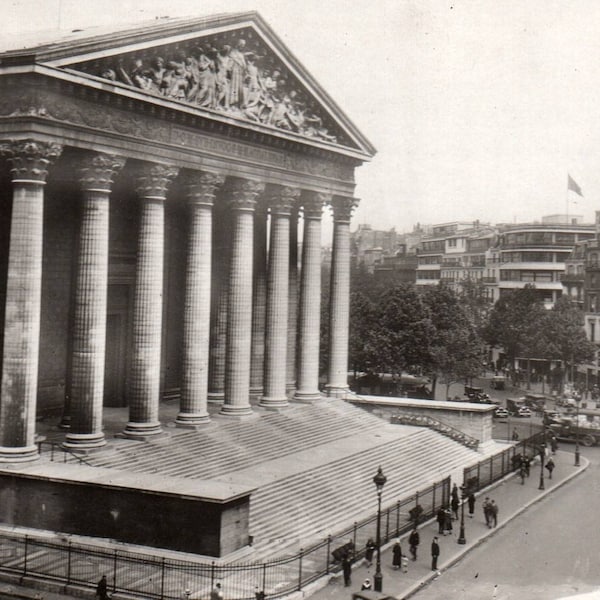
[(223, 62), (156, 74), (206, 87), (176, 78), (237, 75)]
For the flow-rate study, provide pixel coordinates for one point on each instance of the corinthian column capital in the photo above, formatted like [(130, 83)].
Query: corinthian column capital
[(153, 179), (201, 186), (342, 208), (96, 171), (312, 203), (30, 159), (244, 193), (282, 198)]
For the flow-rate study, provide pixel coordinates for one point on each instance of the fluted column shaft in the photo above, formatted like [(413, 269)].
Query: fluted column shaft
[(239, 313), (220, 286), (144, 381), (281, 202), (200, 193), (307, 383), (89, 322), (259, 308), (292, 302), (339, 307), (29, 161)]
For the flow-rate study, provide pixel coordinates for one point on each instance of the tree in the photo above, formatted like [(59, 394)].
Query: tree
[(562, 335), (456, 348), (363, 347), (514, 323)]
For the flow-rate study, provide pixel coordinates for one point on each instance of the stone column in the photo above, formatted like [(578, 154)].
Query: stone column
[(339, 306), (29, 162), (259, 304), (281, 201), (292, 303), (200, 193), (242, 200), (95, 174), (144, 378), (218, 331), (307, 384)]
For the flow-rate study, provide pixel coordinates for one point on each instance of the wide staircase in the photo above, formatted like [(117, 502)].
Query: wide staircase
[(312, 466)]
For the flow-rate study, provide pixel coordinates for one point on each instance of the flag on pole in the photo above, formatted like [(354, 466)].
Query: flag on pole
[(572, 185)]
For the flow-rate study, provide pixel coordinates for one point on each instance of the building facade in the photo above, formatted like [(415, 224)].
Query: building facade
[(152, 185)]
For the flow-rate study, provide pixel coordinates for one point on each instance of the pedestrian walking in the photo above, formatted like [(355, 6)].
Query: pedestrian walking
[(366, 585), (441, 520), (369, 551), (454, 493), (527, 464), (523, 473), (447, 521), (553, 444), (550, 466), (455, 503), (396, 555), (435, 553), (471, 504), (494, 513), (347, 570), (102, 589), (486, 511), (413, 541), (216, 593), (515, 435)]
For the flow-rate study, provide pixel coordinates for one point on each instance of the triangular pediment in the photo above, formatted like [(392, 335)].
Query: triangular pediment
[(231, 66)]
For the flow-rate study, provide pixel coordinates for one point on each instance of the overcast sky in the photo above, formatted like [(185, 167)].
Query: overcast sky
[(478, 109)]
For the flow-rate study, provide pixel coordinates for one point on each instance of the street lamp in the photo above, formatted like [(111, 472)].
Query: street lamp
[(542, 456), (577, 432), (379, 481), (464, 493)]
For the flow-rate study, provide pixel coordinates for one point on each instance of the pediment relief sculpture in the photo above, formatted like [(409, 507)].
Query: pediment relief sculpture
[(233, 73)]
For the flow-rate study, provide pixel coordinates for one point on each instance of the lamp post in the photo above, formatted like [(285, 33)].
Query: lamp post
[(577, 432), (379, 481), (463, 493)]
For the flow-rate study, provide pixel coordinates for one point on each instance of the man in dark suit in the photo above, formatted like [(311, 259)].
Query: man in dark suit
[(435, 552)]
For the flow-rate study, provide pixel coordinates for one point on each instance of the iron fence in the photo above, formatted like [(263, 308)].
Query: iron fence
[(160, 578), (496, 467)]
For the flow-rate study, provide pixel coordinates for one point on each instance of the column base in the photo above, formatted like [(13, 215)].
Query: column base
[(84, 441), (256, 391), (191, 419), (307, 397), (229, 410), (141, 431), (18, 455), (216, 397), (290, 388), (266, 402), (65, 422), (336, 391)]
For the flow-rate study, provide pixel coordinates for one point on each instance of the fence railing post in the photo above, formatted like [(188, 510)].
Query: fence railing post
[(162, 579), (300, 569), (115, 571), (433, 499), (387, 525), (328, 554), (25, 558), (264, 577), (69, 563), (212, 575), (398, 517), (479, 486), (354, 529), (491, 469)]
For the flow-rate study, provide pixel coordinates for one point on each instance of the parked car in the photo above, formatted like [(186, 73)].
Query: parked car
[(498, 382), (475, 394), (523, 412), (501, 413)]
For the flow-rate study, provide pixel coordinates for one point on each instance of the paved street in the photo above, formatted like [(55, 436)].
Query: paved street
[(549, 551)]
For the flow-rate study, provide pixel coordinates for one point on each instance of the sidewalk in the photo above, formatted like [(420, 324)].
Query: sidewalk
[(510, 495)]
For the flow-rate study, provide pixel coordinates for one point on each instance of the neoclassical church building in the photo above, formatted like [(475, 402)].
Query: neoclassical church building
[(154, 185)]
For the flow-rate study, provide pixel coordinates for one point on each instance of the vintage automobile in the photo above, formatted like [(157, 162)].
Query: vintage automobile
[(475, 394), (498, 382), (523, 412), (500, 413)]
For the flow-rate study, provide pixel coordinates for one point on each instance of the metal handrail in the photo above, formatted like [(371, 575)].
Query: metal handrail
[(65, 451), (426, 421)]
